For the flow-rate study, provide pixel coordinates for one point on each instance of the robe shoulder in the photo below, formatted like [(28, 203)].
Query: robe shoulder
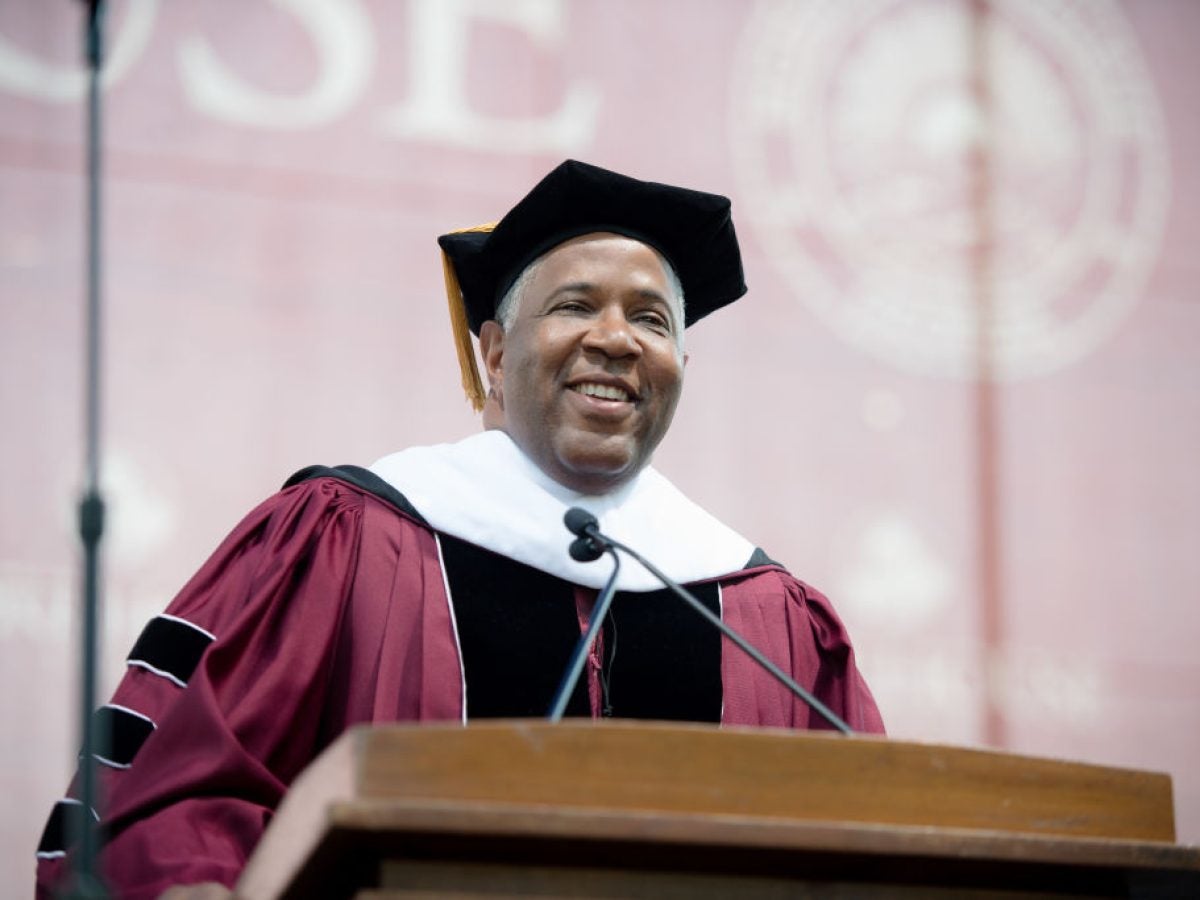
[(796, 626), (361, 478)]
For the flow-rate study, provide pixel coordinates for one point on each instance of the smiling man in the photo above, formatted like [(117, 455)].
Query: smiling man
[(589, 365), (437, 585)]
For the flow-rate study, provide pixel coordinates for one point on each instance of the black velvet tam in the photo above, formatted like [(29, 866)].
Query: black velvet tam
[(692, 229)]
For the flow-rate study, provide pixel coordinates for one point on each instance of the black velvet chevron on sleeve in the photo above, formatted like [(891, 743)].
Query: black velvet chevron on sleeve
[(126, 731), (62, 828), (170, 647)]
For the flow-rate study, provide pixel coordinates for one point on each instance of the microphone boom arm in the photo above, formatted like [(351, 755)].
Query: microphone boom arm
[(589, 529), (584, 526), (571, 675)]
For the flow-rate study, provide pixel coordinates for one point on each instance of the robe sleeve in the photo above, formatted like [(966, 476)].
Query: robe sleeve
[(258, 624), (796, 627)]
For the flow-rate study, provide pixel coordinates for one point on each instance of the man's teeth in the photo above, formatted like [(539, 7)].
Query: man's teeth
[(603, 391)]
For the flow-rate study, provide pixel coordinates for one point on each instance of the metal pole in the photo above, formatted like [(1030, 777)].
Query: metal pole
[(87, 882)]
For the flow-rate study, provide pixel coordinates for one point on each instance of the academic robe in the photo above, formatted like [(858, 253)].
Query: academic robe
[(332, 605)]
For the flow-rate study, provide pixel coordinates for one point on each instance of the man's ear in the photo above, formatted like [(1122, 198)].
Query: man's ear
[(491, 346)]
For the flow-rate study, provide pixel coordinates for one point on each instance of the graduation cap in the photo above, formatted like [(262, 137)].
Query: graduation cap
[(693, 230)]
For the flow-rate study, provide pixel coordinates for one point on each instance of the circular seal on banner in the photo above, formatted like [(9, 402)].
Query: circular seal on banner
[(939, 181)]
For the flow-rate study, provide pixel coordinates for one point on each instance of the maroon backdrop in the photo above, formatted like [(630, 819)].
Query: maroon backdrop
[(961, 396)]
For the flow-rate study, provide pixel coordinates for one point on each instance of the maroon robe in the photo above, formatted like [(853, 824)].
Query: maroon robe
[(328, 608)]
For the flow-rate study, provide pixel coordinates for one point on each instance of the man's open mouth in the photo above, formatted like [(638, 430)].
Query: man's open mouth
[(602, 391)]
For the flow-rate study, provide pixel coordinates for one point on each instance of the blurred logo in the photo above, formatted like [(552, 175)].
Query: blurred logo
[(942, 182)]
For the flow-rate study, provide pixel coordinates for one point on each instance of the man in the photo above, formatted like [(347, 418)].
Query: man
[(437, 585)]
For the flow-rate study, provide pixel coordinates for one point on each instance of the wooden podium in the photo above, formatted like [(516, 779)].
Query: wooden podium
[(624, 809)]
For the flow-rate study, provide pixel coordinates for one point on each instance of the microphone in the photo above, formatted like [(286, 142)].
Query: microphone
[(585, 548), (582, 523)]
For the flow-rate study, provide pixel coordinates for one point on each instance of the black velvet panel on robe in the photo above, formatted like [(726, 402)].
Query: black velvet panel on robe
[(517, 627)]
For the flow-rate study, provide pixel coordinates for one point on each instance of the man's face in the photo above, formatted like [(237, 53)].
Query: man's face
[(590, 371)]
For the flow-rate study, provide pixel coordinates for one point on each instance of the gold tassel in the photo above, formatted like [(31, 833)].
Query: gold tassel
[(471, 382)]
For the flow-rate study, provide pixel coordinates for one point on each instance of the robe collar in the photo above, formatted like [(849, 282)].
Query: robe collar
[(485, 490)]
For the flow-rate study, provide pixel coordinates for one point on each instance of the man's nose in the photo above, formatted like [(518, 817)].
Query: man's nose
[(612, 334)]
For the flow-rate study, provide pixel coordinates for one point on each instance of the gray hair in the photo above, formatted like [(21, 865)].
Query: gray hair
[(506, 311)]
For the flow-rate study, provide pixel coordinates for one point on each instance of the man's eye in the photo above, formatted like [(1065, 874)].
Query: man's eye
[(571, 306), (653, 320)]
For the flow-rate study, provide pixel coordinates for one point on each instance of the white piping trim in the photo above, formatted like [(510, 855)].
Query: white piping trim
[(206, 633), (51, 854), (108, 762), (141, 663), (132, 712), (462, 672), (721, 613)]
